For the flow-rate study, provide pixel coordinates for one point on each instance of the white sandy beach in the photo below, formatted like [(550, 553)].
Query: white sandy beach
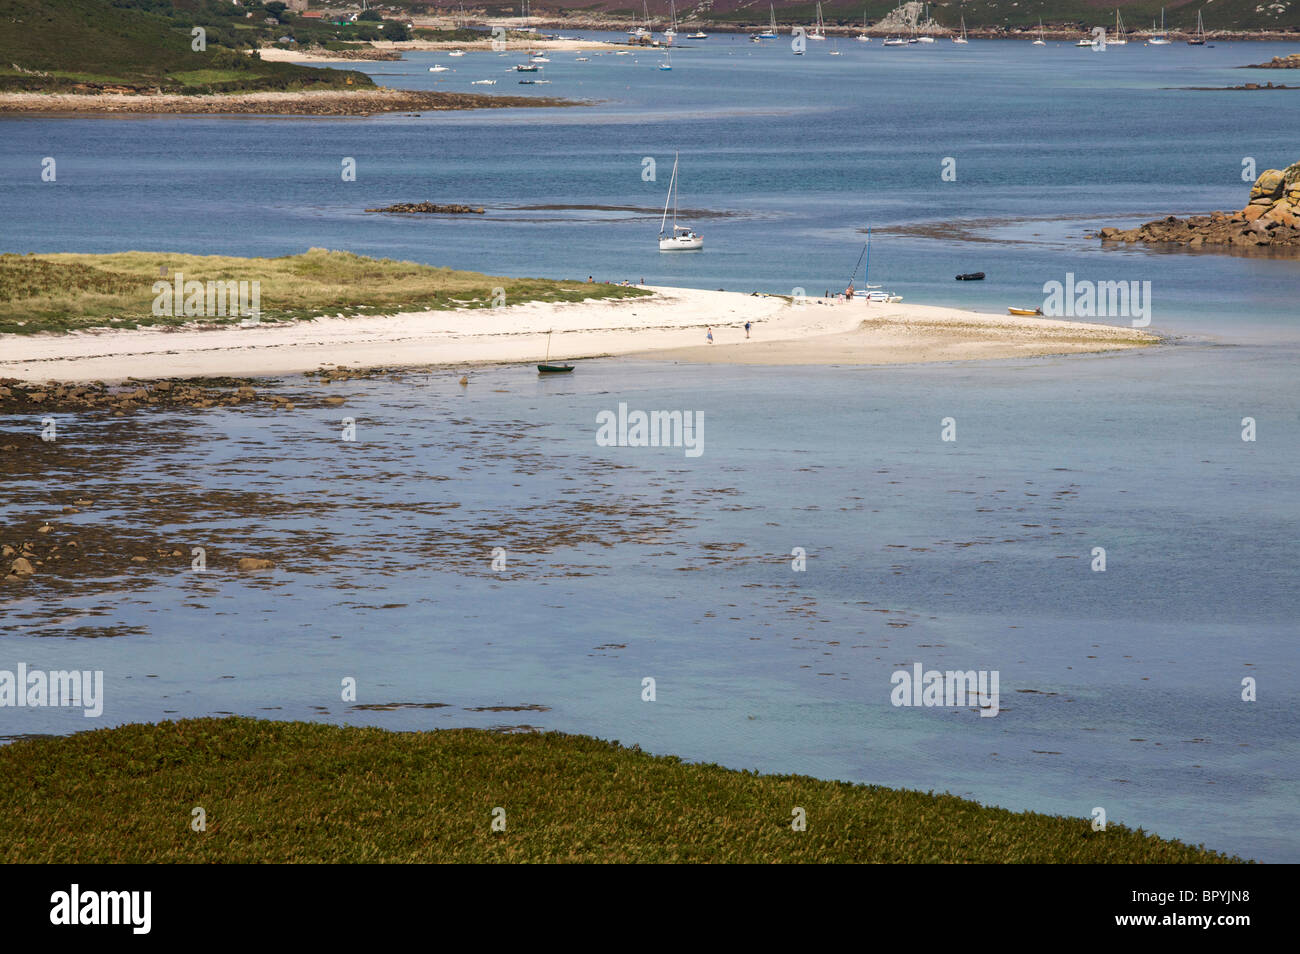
[(275, 54), (672, 325)]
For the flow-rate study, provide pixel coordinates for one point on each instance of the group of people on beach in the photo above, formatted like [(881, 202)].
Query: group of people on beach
[(623, 284)]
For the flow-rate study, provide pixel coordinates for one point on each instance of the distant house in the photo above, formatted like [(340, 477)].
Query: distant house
[(312, 15)]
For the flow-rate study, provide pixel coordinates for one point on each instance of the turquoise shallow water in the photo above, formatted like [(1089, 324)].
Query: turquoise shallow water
[(792, 155), (1119, 689)]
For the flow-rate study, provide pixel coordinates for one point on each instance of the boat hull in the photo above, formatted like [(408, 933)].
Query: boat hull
[(554, 368), (687, 244)]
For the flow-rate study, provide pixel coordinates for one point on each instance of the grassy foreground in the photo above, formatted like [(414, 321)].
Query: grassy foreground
[(305, 792), (67, 292)]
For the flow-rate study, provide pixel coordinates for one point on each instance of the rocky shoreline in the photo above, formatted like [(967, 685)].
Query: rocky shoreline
[(308, 103), (1271, 219), (1291, 62), (1222, 89)]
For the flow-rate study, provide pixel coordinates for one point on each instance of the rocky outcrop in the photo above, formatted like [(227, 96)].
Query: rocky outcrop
[(1270, 219), (428, 208), (1291, 62)]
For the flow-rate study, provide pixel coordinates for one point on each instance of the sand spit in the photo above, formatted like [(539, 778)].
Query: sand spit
[(671, 324), (278, 103)]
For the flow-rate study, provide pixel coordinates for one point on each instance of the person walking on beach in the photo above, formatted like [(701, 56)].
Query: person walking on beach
[(747, 329), (710, 330)]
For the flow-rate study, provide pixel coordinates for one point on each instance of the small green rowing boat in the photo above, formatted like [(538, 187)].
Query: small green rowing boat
[(545, 368)]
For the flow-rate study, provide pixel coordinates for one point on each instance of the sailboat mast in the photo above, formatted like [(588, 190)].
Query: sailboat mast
[(677, 192), (671, 182)]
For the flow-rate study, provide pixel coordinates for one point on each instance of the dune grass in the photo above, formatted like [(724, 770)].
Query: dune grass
[(68, 292), (306, 792)]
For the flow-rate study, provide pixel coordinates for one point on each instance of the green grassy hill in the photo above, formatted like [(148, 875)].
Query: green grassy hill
[(305, 792), (94, 45)]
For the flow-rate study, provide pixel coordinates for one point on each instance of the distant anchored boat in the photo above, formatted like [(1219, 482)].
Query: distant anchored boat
[(971, 277)]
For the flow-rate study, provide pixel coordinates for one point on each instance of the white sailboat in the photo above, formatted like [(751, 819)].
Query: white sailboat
[(1118, 39), (1199, 39), (697, 35), (1161, 38), (642, 31), (770, 32), (1040, 41), (819, 31), (863, 35), (872, 292), (682, 238), (667, 64), (672, 20), (924, 39), (898, 40), (962, 38)]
